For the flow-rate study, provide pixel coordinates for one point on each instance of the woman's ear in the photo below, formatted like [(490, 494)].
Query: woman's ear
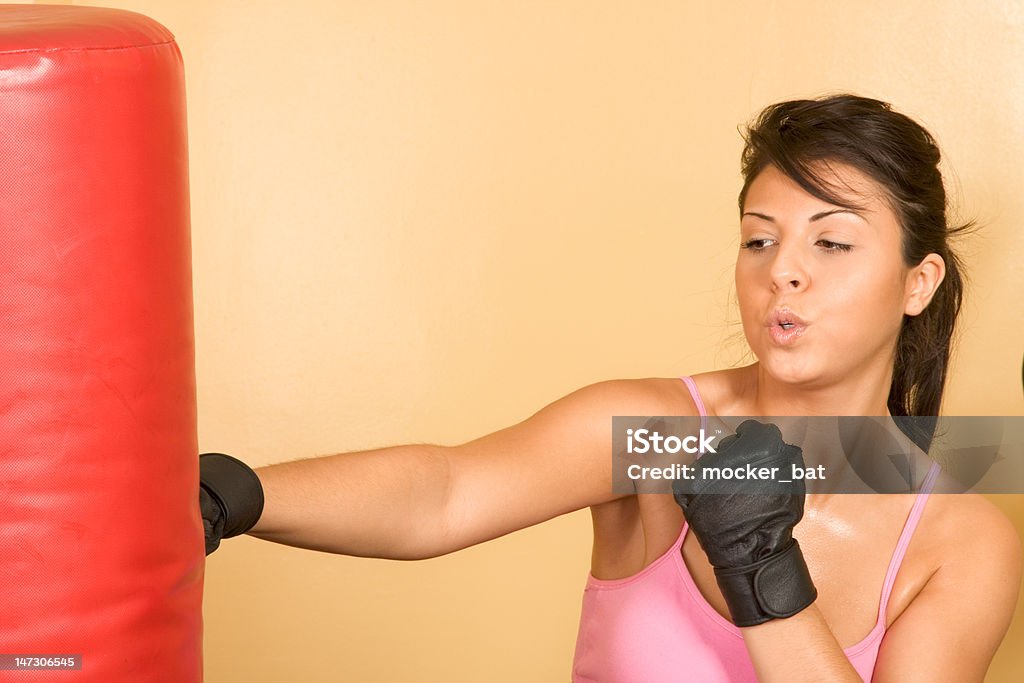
[(922, 281)]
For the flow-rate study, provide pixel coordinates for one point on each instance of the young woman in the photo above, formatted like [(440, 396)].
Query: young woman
[(849, 294)]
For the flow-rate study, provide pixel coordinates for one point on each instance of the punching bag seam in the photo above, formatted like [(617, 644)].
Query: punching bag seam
[(85, 49)]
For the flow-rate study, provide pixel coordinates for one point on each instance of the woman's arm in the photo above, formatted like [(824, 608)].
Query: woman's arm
[(799, 648), (419, 501)]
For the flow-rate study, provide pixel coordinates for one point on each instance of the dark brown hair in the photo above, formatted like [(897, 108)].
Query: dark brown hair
[(800, 138)]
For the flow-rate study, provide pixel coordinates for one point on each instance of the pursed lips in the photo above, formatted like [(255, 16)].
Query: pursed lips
[(785, 326), (785, 318)]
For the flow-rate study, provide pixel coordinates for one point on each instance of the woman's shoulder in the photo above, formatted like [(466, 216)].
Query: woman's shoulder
[(971, 523), (726, 391), (671, 396), (965, 537), (973, 560), (643, 396)]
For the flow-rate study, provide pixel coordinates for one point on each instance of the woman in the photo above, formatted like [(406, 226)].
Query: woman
[(849, 294)]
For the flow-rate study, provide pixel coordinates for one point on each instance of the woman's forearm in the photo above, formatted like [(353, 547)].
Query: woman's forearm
[(386, 503), (799, 648)]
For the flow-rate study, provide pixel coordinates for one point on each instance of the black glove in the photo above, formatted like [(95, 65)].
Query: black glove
[(230, 497), (745, 526)]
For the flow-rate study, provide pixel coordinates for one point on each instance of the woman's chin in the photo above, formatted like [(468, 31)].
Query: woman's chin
[(789, 368)]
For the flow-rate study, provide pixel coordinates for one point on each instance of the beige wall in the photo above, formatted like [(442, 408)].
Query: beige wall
[(422, 221)]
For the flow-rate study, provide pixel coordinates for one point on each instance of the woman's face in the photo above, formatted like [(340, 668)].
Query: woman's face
[(822, 289)]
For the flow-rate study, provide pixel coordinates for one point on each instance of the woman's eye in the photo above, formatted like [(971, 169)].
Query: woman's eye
[(834, 246), (755, 245)]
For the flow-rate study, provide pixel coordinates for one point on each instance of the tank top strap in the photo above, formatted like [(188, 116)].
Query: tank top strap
[(913, 518), (695, 395)]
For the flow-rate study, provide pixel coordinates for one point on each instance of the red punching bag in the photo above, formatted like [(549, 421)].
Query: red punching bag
[(101, 544)]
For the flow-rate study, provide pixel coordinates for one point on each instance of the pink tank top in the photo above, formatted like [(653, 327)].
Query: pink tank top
[(656, 627)]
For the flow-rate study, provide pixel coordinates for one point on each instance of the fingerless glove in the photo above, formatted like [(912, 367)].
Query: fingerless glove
[(745, 526)]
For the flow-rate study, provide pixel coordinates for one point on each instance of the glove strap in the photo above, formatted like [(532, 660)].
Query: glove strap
[(235, 487), (776, 587)]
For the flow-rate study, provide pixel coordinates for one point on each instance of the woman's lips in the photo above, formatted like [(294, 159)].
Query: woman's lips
[(785, 327), (786, 335)]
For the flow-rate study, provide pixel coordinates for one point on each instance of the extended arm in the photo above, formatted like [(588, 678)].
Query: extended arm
[(419, 501)]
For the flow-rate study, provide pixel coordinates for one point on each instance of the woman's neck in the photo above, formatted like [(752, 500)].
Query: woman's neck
[(863, 393)]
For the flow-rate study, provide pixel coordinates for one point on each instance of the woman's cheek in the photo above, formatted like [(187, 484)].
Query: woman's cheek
[(754, 329)]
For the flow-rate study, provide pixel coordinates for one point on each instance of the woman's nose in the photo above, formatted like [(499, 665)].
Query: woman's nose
[(787, 271)]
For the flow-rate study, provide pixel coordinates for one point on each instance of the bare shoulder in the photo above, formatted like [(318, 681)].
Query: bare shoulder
[(721, 391), (727, 391), (969, 522), (642, 396), (972, 542)]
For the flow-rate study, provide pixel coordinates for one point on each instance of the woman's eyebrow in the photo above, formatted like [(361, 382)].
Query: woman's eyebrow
[(813, 218)]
